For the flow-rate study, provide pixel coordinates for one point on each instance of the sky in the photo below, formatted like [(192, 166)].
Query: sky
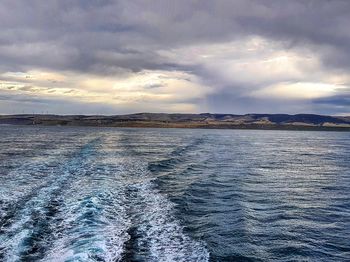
[(183, 56)]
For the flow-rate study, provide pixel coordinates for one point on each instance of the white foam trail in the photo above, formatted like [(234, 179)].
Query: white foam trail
[(161, 232), (94, 229), (94, 218), (96, 210), (31, 175), (23, 224), (12, 242)]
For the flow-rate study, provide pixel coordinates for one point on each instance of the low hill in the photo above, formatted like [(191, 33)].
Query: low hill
[(205, 120)]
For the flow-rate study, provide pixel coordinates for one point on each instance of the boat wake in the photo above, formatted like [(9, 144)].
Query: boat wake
[(96, 205)]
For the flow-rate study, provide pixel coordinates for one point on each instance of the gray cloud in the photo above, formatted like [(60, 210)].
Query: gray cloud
[(334, 104), (123, 37), (38, 105), (84, 34)]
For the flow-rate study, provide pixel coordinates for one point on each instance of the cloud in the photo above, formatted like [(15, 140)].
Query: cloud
[(298, 90), (186, 55), (148, 90)]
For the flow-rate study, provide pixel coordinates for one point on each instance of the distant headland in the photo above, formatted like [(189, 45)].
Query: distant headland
[(204, 120)]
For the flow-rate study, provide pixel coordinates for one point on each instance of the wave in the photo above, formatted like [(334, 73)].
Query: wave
[(96, 205), (159, 232), (29, 224)]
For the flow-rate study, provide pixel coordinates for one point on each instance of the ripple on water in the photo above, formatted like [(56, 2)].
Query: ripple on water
[(81, 194)]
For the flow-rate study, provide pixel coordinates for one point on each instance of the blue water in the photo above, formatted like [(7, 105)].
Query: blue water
[(104, 194)]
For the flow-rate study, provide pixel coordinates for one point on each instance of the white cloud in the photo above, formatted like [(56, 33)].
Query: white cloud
[(299, 90), (172, 91)]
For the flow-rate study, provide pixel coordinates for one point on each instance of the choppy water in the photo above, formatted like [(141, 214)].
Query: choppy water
[(100, 194)]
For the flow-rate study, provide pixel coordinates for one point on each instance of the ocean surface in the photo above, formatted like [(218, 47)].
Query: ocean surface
[(109, 194)]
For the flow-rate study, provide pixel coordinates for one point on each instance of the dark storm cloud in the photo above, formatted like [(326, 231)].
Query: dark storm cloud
[(340, 100), (338, 103), (118, 37), (226, 101), (73, 34)]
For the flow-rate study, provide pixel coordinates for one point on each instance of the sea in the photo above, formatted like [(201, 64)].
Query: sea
[(138, 194)]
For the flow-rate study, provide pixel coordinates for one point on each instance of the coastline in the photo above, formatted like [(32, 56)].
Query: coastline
[(302, 122)]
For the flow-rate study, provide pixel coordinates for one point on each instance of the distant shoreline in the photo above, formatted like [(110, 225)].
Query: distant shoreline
[(277, 128), (302, 122)]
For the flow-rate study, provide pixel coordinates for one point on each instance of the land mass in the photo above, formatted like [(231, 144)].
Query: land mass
[(205, 120)]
